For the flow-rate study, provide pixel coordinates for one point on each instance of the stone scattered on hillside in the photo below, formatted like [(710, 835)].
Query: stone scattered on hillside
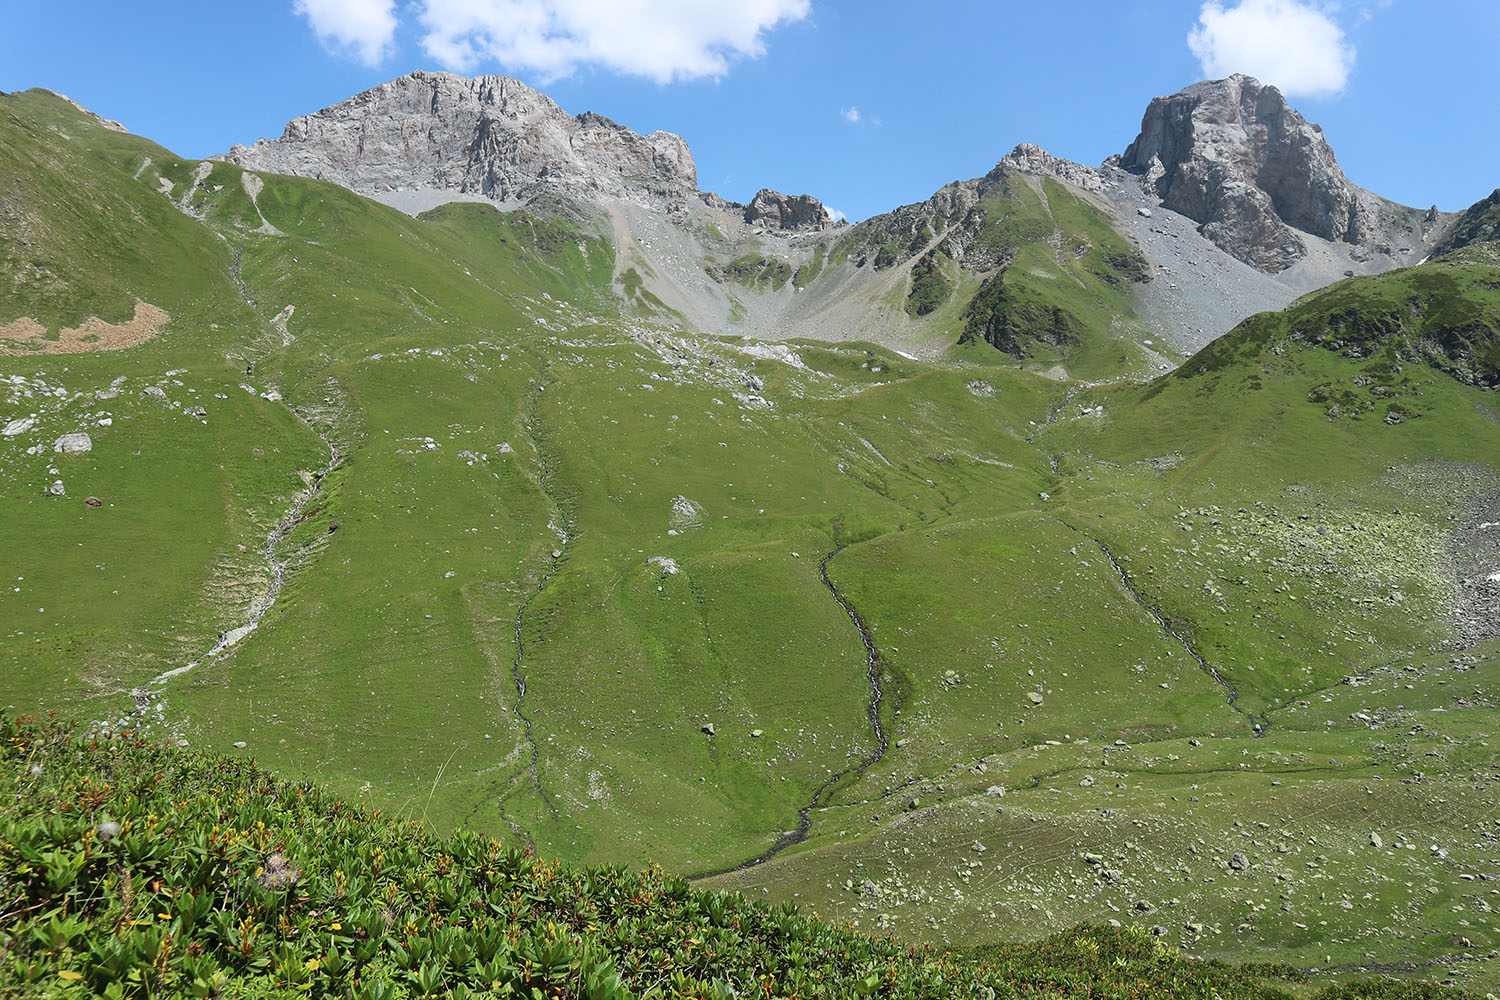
[(708, 729), (70, 444), (1376, 841), (1035, 697), (1238, 861), (18, 427)]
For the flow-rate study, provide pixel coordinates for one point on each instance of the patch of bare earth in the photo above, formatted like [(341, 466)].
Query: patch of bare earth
[(27, 336)]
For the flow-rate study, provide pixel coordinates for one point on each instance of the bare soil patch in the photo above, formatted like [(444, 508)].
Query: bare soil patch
[(27, 336)]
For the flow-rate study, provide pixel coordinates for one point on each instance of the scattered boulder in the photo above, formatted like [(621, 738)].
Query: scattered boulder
[(1035, 697), (1375, 840), (55, 490), (1238, 861), (756, 734), (995, 791), (73, 444), (93, 502), (18, 427), (708, 729)]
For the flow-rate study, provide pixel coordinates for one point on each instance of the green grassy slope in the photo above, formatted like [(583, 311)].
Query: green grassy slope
[(525, 549), (144, 872), (1050, 277)]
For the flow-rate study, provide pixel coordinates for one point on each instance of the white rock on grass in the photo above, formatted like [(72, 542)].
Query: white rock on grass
[(71, 444), (18, 427), (668, 566)]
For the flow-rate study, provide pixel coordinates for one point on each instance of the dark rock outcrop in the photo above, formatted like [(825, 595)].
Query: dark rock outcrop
[(1479, 223)]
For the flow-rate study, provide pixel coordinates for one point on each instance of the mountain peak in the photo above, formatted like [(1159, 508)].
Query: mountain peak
[(486, 136), (1232, 155)]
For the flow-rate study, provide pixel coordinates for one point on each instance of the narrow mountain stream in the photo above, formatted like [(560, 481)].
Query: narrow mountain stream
[(278, 564), (1167, 627), (517, 667), (824, 792)]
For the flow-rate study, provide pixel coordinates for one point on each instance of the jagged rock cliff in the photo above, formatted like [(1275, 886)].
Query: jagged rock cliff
[(782, 211), (1234, 157), (489, 136)]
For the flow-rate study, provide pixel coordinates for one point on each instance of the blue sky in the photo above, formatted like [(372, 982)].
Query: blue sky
[(765, 90)]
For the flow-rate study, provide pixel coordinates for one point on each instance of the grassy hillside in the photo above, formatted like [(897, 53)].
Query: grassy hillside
[(136, 871), (1052, 276), (419, 508)]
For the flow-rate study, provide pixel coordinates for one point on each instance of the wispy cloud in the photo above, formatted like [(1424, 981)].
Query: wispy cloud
[(662, 40), (364, 29), (1293, 44), (850, 115)]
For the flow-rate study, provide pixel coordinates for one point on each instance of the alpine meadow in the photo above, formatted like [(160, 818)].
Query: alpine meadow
[(447, 552)]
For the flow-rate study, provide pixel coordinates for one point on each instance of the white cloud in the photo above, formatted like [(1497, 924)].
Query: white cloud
[(364, 28), (835, 214), (662, 40), (851, 115), (1290, 43)]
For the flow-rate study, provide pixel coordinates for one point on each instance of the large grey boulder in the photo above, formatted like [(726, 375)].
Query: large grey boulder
[(72, 444)]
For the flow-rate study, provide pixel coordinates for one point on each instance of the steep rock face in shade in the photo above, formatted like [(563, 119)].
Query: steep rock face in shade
[(1234, 157), (1479, 223), (489, 136)]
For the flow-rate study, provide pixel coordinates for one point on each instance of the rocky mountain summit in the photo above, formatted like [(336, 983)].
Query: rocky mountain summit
[(489, 136), (425, 138), (1233, 156)]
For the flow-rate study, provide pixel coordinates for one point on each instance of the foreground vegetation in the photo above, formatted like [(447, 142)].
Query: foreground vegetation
[(131, 870)]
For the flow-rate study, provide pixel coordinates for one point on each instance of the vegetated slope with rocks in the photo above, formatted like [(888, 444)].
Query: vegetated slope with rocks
[(581, 575), (143, 871)]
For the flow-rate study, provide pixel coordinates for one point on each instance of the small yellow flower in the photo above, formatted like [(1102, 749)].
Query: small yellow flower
[(310, 964), (336, 927), (70, 976)]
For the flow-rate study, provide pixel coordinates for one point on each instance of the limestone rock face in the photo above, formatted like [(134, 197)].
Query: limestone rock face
[(1234, 157), (780, 211), (489, 136)]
